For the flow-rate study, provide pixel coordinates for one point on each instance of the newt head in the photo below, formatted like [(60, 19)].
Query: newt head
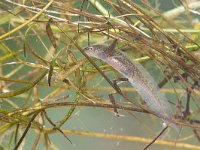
[(95, 50), (100, 51)]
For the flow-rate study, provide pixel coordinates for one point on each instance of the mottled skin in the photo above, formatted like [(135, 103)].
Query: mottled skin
[(140, 79)]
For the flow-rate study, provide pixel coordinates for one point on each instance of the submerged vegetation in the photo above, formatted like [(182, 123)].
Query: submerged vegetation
[(45, 73)]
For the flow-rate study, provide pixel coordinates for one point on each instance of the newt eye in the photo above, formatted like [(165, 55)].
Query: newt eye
[(90, 48)]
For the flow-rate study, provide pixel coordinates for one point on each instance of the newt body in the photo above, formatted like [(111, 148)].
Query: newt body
[(137, 75)]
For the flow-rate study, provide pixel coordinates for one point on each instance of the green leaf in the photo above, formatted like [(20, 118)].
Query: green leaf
[(7, 56), (23, 89)]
